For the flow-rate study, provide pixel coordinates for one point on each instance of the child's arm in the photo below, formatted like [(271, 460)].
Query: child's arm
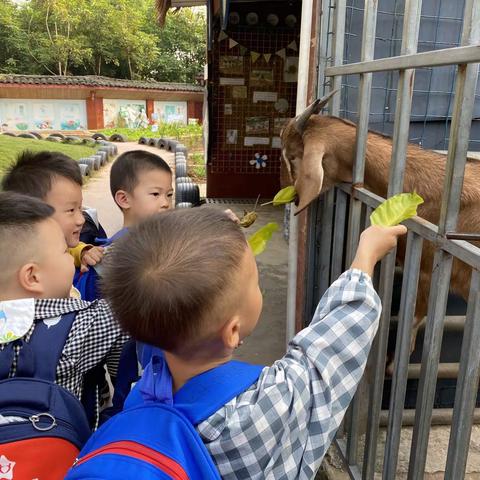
[(85, 255), (284, 424)]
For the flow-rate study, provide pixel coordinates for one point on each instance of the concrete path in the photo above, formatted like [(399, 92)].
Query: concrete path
[(268, 341)]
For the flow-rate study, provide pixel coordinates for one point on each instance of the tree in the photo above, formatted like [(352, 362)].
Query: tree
[(11, 38)]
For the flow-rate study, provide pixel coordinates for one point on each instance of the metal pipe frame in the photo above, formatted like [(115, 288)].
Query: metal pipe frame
[(337, 50), (368, 47)]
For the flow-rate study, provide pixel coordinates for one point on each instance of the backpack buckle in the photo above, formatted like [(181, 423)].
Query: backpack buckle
[(36, 419)]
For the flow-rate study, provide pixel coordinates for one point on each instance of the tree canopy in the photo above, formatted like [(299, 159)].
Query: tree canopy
[(115, 38)]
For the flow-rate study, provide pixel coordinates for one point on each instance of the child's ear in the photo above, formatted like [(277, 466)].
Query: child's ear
[(230, 333), (29, 277), (122, 199)]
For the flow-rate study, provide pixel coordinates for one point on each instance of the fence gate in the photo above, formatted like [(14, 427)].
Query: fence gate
[(343, 212)]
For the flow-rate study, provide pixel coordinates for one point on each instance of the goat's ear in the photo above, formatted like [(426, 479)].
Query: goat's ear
[(310, 175), (315, 107)]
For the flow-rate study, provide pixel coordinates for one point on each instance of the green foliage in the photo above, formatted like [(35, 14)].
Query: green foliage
[(284, 196), (168, 130), (117, 38), (258, 241), (10, 147), (196, 167), (396, 209)]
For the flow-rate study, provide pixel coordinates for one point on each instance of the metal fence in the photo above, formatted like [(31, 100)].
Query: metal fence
[(338, 218)]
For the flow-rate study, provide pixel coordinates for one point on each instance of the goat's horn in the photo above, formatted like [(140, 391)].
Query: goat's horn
[(302, 119)]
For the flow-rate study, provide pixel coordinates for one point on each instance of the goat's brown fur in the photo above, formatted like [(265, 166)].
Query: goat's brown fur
[(424, 173)]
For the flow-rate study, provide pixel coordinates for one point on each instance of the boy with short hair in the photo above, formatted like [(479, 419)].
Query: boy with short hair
[(141, 185), (56, 179), (40, 279), (193, 292)]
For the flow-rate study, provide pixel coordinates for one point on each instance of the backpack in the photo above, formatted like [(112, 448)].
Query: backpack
[(154, 438), (42, 425), (92, 230)]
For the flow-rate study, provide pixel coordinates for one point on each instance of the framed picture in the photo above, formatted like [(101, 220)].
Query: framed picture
[(290, 70), (278, 124), (230, 64), (228, 109), (232, 137), (261, 78), (239, 92), (257, 125)]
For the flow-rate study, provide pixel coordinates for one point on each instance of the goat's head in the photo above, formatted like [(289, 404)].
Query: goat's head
[(302, 157)]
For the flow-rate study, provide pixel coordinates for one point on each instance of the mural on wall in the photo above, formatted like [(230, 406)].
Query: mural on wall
[(42, 115), (171, 112), (124, 113)]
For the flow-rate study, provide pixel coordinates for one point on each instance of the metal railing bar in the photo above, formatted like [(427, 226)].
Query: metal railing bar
[(402, 352), (435, 58), (337, 50), (367, 53), (466, 82), (353, 470), (464, 251), (466, 391), (326, 242), (338, 234)]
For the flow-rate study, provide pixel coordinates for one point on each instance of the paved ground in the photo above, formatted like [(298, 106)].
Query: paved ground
[(268, 341)]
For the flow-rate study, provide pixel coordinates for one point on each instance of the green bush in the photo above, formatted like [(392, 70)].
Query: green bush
[(177, 131)]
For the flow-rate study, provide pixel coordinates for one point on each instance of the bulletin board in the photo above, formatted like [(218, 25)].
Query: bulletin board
[(252, 94)]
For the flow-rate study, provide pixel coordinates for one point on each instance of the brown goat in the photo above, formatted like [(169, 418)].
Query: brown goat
[(319, 152)]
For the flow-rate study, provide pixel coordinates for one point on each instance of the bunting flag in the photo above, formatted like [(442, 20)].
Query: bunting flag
[(222, 36), (267, 56), (293, 46), (254, 56), (282, 53), (232, 43)]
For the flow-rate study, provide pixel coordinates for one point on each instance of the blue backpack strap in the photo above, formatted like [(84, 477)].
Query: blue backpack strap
[(105, 242), (202, 395), (39, 357)]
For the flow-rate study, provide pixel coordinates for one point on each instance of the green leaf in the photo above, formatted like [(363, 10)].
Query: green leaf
[(285, 195), (396, 209), (258, 241)]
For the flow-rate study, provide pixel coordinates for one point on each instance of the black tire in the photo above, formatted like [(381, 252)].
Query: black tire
[(180, 148), (54, 139), (163, 143), (88, 141), (181, 170), (143, 141), (98, 161), (36, 135), (187, 192), (9, 134), (184, 205), (72, 139), (153, 142), (58, 135), (106, 149), (99, 136), (90, 162), (118, 137), (183, 180), (103, 157), (85, 169), (172, 144), (27, 135)]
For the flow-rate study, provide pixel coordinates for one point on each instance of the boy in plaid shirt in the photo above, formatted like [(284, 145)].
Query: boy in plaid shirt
[(193, 292)]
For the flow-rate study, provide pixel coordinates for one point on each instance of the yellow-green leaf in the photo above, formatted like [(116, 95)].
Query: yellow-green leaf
[(396, 209), (285, 195), (258, 241)]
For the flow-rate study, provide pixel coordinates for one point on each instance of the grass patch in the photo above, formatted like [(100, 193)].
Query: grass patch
[(196, 167), (190, 135), (10, 147)]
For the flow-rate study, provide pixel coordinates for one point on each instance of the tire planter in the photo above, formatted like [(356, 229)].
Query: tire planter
[(118, 137), (27, 135), (143, 141), (179, 180), (180, 148), (90, 162), (107, 149), (98, 161), (103, 157), (163, 143), (36, 135), (184, 205), (58, 135), (72, 139), (172, 144), (9, 134), (187, 192), (181, 170), (99, 136), (85, 169), (153, 142), (53, 139)]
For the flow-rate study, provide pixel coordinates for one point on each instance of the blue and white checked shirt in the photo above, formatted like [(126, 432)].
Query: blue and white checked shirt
[(282, 426)]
